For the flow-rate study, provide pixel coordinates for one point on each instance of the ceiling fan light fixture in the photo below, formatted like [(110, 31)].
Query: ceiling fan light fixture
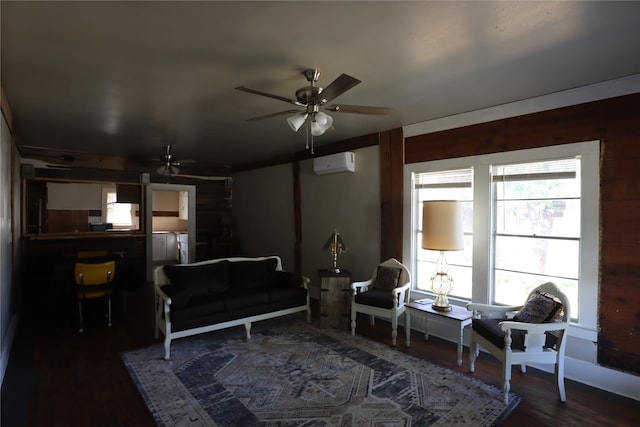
[(297, 120), (320, 123), (168, 170)]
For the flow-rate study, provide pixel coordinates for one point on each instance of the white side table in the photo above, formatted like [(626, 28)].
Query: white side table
[(458, 316)]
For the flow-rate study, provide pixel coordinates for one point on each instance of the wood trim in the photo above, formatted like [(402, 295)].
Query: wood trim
[(6, 111), (391, 193), (323, 150), (166, 213), (297, 217)]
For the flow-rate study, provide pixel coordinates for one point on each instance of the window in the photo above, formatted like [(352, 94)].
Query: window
[(446, 185), (530, 216), (121, 215), (536, 236)]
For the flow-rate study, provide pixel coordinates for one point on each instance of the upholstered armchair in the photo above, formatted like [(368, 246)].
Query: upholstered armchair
[(384, 295), (535, 334)]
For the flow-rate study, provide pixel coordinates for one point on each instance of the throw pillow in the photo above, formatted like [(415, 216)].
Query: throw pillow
[(218, 280), (189, 277), (540, 308), (201, 279), (387, 278)]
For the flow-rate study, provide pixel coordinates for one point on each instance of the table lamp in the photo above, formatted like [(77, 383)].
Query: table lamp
[(336, 245), (442, 231)]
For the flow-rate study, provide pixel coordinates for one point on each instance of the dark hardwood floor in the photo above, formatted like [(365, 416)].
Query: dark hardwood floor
[(59, 377)]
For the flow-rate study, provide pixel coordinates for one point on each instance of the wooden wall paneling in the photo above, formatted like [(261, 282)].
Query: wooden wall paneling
[(391, 193), (615, 122), (214, 232), (68, 221), (297, 217)]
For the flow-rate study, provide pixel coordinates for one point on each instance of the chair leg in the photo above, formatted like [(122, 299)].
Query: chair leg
[(473, 353), (109, 309), (80, 315), (559, 371), (394, 330), (353, 322), (372, 320), (506, 384)]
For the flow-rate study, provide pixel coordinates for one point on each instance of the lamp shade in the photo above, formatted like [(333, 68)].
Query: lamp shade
[(320, 123), (442, 225), (297, 120)]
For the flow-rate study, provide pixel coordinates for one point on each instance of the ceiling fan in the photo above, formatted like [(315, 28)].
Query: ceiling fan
[(313, 99), (170, 166)]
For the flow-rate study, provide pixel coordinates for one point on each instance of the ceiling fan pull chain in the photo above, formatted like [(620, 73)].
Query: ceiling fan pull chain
[(308, 131)]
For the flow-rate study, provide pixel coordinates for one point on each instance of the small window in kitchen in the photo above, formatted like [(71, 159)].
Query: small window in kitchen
[(121, 215)]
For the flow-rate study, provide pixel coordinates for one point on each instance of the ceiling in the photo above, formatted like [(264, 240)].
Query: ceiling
[(124, 78)]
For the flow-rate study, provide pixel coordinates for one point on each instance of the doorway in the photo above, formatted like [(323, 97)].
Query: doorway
[(170, 222)]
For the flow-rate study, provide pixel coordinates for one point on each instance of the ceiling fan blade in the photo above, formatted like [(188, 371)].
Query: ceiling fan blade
[(359, 109), (339, 86), (268, 95), (280, 113)]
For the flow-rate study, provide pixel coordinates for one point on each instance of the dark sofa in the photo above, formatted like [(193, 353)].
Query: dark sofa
[(225, 292)]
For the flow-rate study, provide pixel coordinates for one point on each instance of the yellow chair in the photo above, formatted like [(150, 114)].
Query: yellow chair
[(94, 281)]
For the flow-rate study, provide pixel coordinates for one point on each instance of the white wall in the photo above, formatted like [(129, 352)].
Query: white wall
[(264, 214), (348, 202), (75, 196)]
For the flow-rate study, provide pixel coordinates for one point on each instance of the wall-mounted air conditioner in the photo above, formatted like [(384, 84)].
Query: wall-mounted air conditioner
[(335, 163)]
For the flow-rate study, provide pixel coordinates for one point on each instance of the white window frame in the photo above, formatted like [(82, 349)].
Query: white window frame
[(589, 152)]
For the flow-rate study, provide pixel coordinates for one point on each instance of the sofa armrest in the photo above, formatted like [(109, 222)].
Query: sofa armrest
[(305, 282), (162, 295), (492, 311)]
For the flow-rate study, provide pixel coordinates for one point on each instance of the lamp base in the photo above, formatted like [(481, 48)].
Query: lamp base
[(441, 303), (439, 308)]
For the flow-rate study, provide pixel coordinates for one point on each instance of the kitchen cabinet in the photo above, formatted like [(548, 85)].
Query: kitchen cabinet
[(164, 247)]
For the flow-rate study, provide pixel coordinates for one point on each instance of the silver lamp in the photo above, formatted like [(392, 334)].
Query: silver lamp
[(442, 231)]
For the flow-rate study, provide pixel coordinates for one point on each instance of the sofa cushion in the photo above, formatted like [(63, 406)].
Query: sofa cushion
[(251, 274), (200, 279), (199, 306), (387, 278), (284, 279), (540, 308), (287, 293), (375, 298), (237, 300), (490, 329)]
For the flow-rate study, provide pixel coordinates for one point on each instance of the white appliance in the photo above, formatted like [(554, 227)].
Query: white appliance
[(183, 247), (334, 163)]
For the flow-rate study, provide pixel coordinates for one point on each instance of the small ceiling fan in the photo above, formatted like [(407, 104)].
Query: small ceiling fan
[(170, 166), (313, 99)]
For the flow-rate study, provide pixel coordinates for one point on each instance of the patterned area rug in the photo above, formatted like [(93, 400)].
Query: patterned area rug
[(293, 374)]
